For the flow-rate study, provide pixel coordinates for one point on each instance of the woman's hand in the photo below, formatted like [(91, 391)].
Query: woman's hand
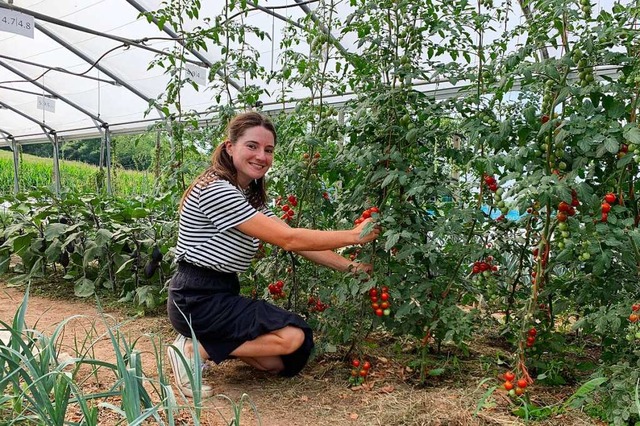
[(361, 239), (357, 267)]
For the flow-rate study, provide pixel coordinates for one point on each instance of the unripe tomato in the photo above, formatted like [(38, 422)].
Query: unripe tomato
[(519, 391), (633, 318), (387, 312)]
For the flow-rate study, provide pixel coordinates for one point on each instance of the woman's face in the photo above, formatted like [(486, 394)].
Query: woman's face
[(252, 154)]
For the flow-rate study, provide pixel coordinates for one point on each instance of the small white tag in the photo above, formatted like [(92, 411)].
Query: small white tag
[(17, 22), (46, 104), (197, 74)]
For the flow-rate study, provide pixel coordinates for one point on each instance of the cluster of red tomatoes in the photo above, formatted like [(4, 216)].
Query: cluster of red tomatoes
[(491, 182), (531, 337), (287, 207), (520, 385), (605, 207), (316, 305), (634, 312), (275, 289), (565, 210), (481, 266), (367, 214), (359, 371), (380, 301)]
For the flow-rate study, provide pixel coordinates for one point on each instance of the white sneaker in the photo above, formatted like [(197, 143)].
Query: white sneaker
[(180, 369)]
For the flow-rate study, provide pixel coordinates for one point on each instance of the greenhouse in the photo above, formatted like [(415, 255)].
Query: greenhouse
[(429, 207)]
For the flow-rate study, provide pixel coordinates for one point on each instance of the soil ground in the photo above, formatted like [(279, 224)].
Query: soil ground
[(320, 396)]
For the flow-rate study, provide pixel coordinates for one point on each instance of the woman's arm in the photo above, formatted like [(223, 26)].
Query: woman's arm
[(329, 258), (301, 239)]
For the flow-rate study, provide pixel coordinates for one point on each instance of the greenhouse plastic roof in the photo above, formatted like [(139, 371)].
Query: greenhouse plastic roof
[(115, 92), (71, 35)]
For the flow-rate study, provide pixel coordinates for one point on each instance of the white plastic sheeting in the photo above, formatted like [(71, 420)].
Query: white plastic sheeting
[(88, 105), (102, 99)]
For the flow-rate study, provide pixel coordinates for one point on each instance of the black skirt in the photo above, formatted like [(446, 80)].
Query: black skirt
[(222, 319)]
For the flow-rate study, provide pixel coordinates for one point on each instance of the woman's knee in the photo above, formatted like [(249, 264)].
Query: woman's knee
[(293, 338)]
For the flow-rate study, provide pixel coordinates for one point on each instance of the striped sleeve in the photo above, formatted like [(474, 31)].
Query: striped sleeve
[(225, 205)]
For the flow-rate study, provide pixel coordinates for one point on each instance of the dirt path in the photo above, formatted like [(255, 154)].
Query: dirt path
[(319, 396)]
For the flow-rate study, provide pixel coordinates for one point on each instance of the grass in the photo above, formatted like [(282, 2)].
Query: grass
[(37, 172)]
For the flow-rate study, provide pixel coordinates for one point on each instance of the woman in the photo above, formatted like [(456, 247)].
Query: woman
[(223, 216)]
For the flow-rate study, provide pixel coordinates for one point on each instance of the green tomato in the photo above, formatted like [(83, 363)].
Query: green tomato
[(386, 312)]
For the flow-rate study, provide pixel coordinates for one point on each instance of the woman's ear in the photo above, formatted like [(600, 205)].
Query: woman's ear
[(228, 146)]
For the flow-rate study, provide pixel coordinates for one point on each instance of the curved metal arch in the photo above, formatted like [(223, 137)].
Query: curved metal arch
[(55, 21), (54, 93), (96, 65), (30, 118), (195, 53)]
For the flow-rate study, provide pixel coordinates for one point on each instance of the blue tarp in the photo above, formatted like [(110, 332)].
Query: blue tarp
[(496, 213)]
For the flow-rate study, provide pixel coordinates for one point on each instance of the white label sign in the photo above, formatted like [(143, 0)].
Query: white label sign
[(197, 74), (16, 22), (46, 104)]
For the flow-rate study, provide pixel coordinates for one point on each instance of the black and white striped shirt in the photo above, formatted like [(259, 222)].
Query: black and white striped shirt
[(207, 236)]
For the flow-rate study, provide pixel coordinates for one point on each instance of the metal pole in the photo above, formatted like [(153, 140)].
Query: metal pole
[(16, 167), (56, 164), (107, 141)]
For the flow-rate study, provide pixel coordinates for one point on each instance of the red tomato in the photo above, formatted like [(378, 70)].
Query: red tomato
[(355, 363), (522, 383), (508, 385), (363, 373), (374, 210), (563, 206), (366, 365), (384, 305), (385, 289), (605, 207), (533, 332), (610, 198), (384, 296), (509, 376), (373, 292), (379, 312), (366, 214)]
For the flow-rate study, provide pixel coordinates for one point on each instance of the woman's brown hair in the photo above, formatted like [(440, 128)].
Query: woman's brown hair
[(222, 164)]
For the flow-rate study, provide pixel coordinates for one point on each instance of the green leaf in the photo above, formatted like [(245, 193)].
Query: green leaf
[(54, 230), (585, 390), (632, 133), (611, 145), (84, 288)]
